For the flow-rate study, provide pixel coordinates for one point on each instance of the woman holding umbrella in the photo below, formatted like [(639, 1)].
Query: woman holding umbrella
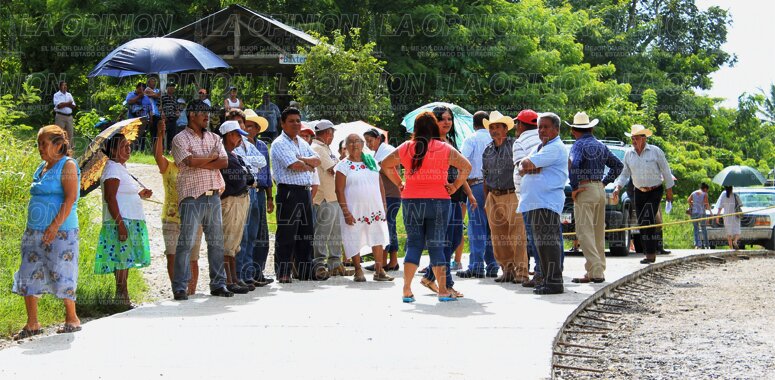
[(49, 249), (730, 203), (123, 241)]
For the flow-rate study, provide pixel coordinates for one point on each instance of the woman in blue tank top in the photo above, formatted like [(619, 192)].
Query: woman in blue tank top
[(49, 249)]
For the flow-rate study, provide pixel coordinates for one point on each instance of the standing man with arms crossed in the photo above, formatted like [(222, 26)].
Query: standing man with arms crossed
[(527, 139), (293, 162), (544, 173), (648, 167), (588, 159), (200, 156)]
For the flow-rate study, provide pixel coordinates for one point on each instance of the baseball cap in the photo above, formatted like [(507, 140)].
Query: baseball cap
[(528, 116), (322, 125), (230, 126)]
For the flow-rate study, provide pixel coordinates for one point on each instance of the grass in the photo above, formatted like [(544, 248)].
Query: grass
[(18, 161)]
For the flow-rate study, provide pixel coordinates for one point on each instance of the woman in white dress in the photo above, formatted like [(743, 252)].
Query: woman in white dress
[(361, 196), (730, 203)]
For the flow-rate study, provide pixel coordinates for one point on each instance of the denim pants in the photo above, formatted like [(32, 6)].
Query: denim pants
[(453, 238), (531, 247), (700, 231), (205, 211), (261, 247), (425, 221), (393, 205), (479, 239), (246, 267)]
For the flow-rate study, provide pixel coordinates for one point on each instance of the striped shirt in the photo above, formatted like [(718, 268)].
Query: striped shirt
[(284, 152), (193, 182)]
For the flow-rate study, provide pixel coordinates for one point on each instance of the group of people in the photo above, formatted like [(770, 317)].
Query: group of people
[(728, 203), (219, 186)]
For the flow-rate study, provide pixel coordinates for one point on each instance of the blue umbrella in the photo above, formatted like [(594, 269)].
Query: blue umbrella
[(464, 121), (157, 55)]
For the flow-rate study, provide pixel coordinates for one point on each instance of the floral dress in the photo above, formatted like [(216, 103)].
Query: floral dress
[(364, 200)]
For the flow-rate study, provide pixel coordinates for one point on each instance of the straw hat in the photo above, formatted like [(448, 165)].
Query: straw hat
[(251, 115), (581, 121), (638, 130), (498, 118)]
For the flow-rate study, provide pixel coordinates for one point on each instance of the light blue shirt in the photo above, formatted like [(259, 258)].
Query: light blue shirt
[(283, 153), (547, 188), (251, 156), (473, 148)]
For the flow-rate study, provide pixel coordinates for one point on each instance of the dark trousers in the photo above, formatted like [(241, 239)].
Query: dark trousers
[(547, 236), (295, 232), (646, 207), (172, 130)]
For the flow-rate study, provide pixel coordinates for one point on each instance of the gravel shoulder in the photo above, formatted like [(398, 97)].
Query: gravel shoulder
[(706, 324)]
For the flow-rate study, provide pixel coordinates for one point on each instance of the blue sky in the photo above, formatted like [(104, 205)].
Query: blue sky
[(750, 37)]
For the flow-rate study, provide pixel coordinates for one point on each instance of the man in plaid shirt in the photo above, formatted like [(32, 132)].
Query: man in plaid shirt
[(199, 155)]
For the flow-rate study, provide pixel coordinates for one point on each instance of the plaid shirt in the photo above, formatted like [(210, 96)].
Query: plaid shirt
[(285, 152), (193, 182)]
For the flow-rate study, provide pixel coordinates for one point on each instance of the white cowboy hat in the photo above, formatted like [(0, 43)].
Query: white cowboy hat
[(581, 121), (496, 117), (638, 130)]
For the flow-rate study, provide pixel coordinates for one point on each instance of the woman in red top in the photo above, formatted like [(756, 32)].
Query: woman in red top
[(425, 198)]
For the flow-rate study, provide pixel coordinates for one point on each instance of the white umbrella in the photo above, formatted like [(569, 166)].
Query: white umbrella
[(341, 131)]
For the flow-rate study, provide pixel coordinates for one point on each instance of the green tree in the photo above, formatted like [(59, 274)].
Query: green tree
[(342, 83)]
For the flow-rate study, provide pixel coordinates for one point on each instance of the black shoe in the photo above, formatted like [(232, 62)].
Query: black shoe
[(492, 274), (664, 252), (370, 267), (548, 290), (180, 296), (221, 292), (249, 285), (262, 281), (469, 274), (235, 288)]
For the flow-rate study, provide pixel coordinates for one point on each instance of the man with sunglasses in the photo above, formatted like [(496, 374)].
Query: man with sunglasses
[(203, 97)]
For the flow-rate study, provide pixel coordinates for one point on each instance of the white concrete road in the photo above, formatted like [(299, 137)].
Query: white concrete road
[(336, 329)]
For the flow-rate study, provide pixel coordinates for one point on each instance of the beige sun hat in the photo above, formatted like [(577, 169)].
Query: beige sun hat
[(497, 117), (581, 121), (638, 130), (251, 115)]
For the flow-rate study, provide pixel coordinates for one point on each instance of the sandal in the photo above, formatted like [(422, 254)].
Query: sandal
[(67, 329), (27, 333), (455, 293), (448, 298), (382, 277), (429, 284), (409, 299)]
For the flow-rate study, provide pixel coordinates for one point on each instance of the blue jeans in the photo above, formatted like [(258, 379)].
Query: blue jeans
[(204, 211), (453, 238), (393, 205), (700, 227), (425, 221), (479, 239)]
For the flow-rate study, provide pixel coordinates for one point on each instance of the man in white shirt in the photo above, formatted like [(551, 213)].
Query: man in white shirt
[(648, 167), (527, 138), (63, 107)]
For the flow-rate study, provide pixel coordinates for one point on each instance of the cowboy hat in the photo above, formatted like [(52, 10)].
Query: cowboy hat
[(581, 121), (498, 118), (638, 130), (251, 115)]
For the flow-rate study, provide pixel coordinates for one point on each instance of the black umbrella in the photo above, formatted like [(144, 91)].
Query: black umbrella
[(738, 175)]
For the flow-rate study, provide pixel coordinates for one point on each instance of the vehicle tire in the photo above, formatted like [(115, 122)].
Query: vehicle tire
[(624, 248), (770, 245)]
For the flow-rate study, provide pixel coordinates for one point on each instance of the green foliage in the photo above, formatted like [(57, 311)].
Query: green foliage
[(341, 81), (18, 162), (12, 108)]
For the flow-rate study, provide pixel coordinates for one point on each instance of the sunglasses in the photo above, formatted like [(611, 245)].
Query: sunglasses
[(202, 93)]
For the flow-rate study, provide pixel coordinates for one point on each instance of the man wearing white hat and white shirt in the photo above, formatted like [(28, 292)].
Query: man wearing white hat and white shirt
[(507, 227), (328, 235), (588, 160), (648, 167)]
